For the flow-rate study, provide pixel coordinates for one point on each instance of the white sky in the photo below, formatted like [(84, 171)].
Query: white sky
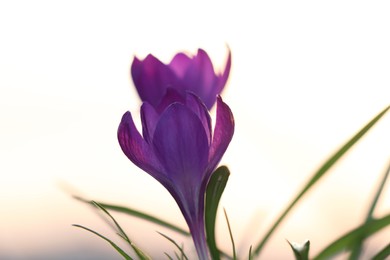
[(306, 75)]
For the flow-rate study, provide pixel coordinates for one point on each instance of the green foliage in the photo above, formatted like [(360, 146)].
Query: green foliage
[(115, 246), (214, 191), (169, 257), (139, 214), (182, 254), (301, 251), (318, 175), (356, 249), (250, 253), (231, 236), (121, 233), (381, 255), (348, 240)]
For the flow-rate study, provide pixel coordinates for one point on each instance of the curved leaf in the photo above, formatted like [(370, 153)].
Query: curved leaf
[(214, 191)]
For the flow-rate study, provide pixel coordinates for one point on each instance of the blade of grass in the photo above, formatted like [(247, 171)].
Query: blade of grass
[(231, 236), (347, 240), (357, 248), (138, 214), (177, 255), (214, 191), (117, 248), (317, 176), (385, 252), (122, 233), (169, 257), (177, 246)]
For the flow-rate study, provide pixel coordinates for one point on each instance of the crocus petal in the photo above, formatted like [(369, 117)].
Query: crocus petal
[(180, 143), (223, 133), (200, 77), (222, 79), (180, 64), (200, 109), (171, 96), (137, 150), (149, 118), (151, 78)]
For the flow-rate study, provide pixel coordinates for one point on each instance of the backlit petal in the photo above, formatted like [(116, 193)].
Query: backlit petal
[(180, 64), (151, 78), (137, 150), (180, 143), (172, 95), (200, 77), (222, 79), (223, 133), (149, 118), (200, 109)]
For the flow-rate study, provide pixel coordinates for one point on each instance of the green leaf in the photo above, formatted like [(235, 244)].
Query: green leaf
[(250, 253), (183, 255), (317, 176), (381, 255), (122, 233), (357, 247), (214, 191), (117, 248), (138, 214), (301, 251), (346, 241), (169, 257), (231, 236)]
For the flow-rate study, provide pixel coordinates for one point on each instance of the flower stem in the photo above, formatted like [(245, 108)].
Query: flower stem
[(199, 238)]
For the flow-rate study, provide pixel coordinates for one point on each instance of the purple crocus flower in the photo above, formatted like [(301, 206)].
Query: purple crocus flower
[(196, 74), (179, 149)]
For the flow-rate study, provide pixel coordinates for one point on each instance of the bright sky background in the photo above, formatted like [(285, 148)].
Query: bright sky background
[(306, 76)]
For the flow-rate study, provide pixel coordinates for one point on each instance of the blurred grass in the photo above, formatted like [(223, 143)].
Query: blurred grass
[(348, 240), (141, 255), (317, 176), (358, 246), (138, 214)]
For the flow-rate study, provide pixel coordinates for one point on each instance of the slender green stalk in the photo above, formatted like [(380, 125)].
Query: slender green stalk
[(317, 176), (347, 240), (385, 252), (122, 233), (138, 214), (183, 255), (357, 249), (117, 248), (231, 236)]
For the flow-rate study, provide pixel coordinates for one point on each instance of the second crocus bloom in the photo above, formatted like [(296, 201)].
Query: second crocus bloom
[(196, 74)]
